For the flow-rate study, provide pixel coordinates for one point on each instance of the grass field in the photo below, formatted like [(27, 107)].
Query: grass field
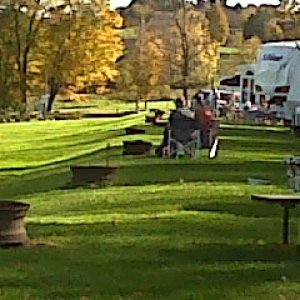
[(166, 229), (99, 104)]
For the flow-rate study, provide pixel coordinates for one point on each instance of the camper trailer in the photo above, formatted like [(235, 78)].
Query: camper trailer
[(277, 75)]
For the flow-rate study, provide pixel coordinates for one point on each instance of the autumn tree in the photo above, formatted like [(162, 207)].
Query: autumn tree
[(249, 49), (273, 31), (27, 18), (44, 47), (19, 41), (143, 68), (20, 23), (218, 23), (7, 68), (246, 53), (289, 24), (186, 46), (80, 49), (176, 48)]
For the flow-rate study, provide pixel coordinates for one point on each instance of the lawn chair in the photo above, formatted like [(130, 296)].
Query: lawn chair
[(183, 137), (176, 148)]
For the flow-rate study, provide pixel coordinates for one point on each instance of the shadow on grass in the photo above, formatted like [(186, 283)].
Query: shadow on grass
[(59, 177), (256, 130), (172, 240), (111, 266), (251, 209), (212, 172)]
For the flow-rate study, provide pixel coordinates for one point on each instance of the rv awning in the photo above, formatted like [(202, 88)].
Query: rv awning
[(231, 81)]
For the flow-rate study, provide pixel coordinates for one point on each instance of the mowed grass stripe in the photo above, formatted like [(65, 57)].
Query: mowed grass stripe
[(18, 152)]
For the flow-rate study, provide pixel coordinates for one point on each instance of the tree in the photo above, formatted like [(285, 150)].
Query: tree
[(7, 69), (247, 53), (218, 23), (80, 50), (249, 50), (54, 47), (19, 41), (20, 22), (273, 31), (27, 17), (186, 46), (143, 68), (257, 23)]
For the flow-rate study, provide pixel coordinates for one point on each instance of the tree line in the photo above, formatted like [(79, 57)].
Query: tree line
[(175, 49), (66, 48)]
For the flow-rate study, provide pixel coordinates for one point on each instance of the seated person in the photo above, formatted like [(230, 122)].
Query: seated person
[(181, 124), (205, 118)]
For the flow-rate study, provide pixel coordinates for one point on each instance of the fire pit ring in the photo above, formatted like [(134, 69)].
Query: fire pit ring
[(85, 175), (12, 227)]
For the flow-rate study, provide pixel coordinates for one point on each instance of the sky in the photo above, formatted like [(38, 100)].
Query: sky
[(119, 3)]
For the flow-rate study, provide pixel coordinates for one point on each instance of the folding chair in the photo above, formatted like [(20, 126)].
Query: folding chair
[(178, 147)]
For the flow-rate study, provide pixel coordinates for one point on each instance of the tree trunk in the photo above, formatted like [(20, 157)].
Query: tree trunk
[(50, 102), (54, 89), (186, 96), (23, 90)]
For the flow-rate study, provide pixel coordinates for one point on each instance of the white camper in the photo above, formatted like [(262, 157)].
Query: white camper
[(277, 75)]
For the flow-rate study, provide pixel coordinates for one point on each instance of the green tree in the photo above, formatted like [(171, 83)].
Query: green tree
[(257, 23)]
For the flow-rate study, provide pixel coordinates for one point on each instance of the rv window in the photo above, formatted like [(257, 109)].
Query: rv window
[(272, 57)]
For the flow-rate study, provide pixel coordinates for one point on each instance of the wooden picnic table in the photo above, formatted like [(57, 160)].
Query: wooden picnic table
[(287, 202)]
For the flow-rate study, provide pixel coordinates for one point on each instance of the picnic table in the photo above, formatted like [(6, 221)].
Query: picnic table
[(287, 202)]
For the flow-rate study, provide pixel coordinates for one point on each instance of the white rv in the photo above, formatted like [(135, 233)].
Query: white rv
[(277, 75)]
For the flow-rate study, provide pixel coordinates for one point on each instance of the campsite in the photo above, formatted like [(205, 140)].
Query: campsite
[(149, 151)]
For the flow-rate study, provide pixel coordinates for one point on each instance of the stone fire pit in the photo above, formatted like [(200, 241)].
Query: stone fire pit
[(136, 147), (12, 227), (85, 175)]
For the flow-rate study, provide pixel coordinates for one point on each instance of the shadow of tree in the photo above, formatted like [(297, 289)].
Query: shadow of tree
[(211, 172), (157, 270)]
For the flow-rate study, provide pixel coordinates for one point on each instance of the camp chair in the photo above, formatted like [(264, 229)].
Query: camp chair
[(183, 136), (177, 147)]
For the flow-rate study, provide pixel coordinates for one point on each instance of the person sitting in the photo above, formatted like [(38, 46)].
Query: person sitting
[(180, 124), (205, 118)]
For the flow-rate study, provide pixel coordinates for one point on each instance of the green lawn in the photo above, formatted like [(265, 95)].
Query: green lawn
[(229, 50), (166, 229), (99, 104)]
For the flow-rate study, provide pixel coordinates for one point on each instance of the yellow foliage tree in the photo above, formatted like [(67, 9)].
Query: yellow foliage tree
[(20, 24), (80, 49), (58, 45), (187, 46), (218, 23), (143, 68), (249, 50), (7, 63)]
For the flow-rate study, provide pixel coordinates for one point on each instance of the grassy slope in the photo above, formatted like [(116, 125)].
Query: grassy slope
[(168, 229)]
